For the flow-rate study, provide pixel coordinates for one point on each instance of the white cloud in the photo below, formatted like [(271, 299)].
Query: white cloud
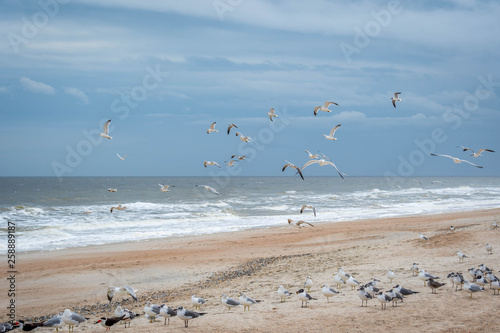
[(79, 94), (4, 89), (36, 87)]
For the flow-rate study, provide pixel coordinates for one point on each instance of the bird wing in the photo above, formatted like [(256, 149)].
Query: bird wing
[(443, 155), (394, 102), (309, 163), (286, 165), (302, 209), (301, 222), (465, 148), (332, 164), (314, 211), (332, 132), (213, 125), (316, 110), (481, 150), (477, 166), (131, 292), (396, 94), (211, 189), (300, 173), (327, 104), (105, 129)]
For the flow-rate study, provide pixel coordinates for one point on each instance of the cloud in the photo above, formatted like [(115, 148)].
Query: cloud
[(4, 89), (79, 94), (36, 87)]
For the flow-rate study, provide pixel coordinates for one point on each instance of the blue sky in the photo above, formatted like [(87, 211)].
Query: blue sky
[(163, 71)]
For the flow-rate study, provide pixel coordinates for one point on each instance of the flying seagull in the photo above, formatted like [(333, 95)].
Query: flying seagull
[(396, 98), (311, 155), (243, 138), (212, 128), (121, 158), (298, 223), (293, 166), (478, 152), (124, 291), (208, 188), (324, 107), (105, 130), (322, 162), (205, 163), (229, 128), (457, 160), (272, 113), (332, 133), (164, 188), (310, 207)]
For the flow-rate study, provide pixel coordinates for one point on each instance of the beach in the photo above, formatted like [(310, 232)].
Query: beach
[(256, 261)]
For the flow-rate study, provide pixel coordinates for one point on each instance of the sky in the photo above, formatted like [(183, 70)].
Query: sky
[(163, 71)]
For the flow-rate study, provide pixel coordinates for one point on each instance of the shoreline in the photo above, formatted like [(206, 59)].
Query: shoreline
[(50, 281)]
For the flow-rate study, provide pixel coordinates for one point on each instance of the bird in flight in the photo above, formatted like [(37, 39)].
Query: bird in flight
[(457, 160), (229, 128), (272, 113), (396, 98), (332, 133), (478, 152), (105, 130), (293, 166), (212, 128), (324, 107)]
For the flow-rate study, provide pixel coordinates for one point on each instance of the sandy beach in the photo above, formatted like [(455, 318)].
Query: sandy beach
[(257, 261)]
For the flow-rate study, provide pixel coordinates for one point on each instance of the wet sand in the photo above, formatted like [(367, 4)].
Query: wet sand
[(257, 261)]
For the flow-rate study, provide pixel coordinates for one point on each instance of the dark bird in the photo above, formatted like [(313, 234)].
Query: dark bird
[(108, 322), (434, 285)]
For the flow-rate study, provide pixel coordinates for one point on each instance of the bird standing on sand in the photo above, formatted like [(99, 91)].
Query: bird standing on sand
[(308, 284), (364, 296), (197, 301), (434, 285), (108, 322), (167, 312), (212, 128), (391, 275), (304, 297), (283, 293), (229, 302), (54, 322), (152, 310), (414, 269), (27, 327), (187, 315), (383, 299), (352, 282), (247, 301), (471, 287), (338, 280), (489, 248), (461, 256), (328, 292), (422, 237), (72, 319)]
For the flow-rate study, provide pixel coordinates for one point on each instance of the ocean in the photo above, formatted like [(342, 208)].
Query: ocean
[(50, 214)]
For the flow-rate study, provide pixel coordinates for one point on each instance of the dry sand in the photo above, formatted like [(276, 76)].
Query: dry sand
[(257, 261)]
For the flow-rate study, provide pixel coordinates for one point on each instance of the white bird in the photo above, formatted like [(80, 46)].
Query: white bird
[(244, 138), (452, 228), (343, 274), (152, 310), (338, 280), (187, 315), (495, 285), (164, 188), (322, 162), (54, 322), (395, 296), (112, 190), (457, 280), (283, 293), (332, 133), (324, 107), (353, 282), (308, 284), (479, 152), (424, 276), (208, 188), (167, 312), (310, 207), (72, 319), (205, 163), (298, 223), (414, 269), (229, 128), (304, 297), (312, 156), (212, 128), (421, 235), (129, 315), (461, 256), (247, 301), (391, 275), (272, 113), (489, 248), (229, 302), (494, 225), (241, 158), (105, 130), (124, 291), (293, 166), (457, 160), (197, 301), (121, 158), (383, 299), (396, 98), (364, 296), (471, 287), (328, 292), (230, 163)]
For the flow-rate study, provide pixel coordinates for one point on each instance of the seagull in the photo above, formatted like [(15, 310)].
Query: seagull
[(283, 293), (230, 163), (208, 188), (121, 158), (460, 255), (187, 315), (458, 280), (28, 326), (298, 223), (105, 130), (369, 288), (241, 158), (384, 299), (353, 282), (310, 207), (164, 188), (396, 98), (414, 269), (72, 319), (229, 128), (391, 275), (471, 287), (112, 190), (423, 237), (272, 113), (247, 301), (304, 297), (205, 163), (481, 281), (322, 162), (364, 296), (395, 296), (108, 322), (332, 133), (404, 291), (495, 285), (343, 274), (478, 152), (212, 128), (8, 326), (338, 280), (457, 160), (494, 225), (293, 166), (152, 310), (244, 138), (229, 302), (324, 107), (312, 156), (424, 276), (489, 248), (452, 228), (119, 207), (308, 284), (124, 291), (54, 322), (197, 301), (168, 312), (434, 285), (129, 315), (328, 292)]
